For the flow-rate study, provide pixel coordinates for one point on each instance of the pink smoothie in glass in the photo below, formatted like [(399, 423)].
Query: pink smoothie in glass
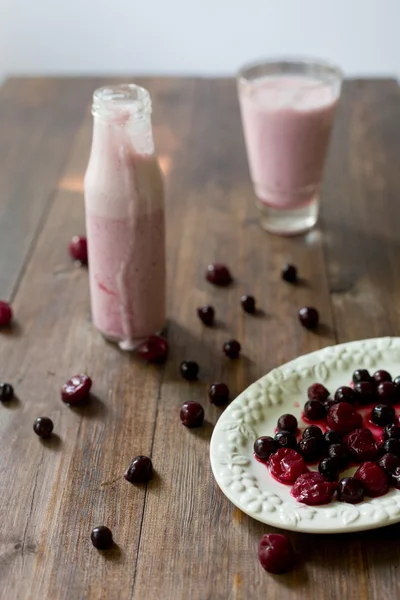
[(287, 121), (126, 239)]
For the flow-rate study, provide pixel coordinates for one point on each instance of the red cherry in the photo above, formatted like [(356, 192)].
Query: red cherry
[(78, 249), (154, 349), (6, 313), (76, 389)]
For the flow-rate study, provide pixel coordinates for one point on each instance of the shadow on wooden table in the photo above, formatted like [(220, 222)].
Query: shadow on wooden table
[(52, 443), (93, 408)]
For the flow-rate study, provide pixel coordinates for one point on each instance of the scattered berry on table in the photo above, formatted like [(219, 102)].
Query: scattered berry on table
[(275, 553), (218, 393), (6, 313), (232, 349), (76, 389), (206, 314), (248, 304), (140, 470), (189, 370), (6, 392), (78, 249), (102, 538), (218, 274), (43, 427), (191, 414), (154, 349), (289, 273), (309, 317)]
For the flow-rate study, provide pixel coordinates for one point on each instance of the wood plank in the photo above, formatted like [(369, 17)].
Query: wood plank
[(65, 487), (361, 211), (38, 121), (194, 543)]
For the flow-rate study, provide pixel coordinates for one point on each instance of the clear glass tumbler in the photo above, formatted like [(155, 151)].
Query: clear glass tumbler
[(287, 109)]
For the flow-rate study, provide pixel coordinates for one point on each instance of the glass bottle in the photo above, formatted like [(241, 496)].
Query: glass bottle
[(125, 221)]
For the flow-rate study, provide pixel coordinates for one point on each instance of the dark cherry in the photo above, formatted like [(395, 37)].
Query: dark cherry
[(206, 314), (78, 249), (232, 349), (395, 478), (339, 453), (329, 402), (366, 392), (154, 349), (265, 446), (140, 470), (309, 317), (313, 489), (396, 381), (275, 553), (381, 376), (310, 448), (76, 389), (288, 423), (382, 414), (285, 439), (248, 304), (329, 468), (343, 418), (218, 274), (391, 431), (389, 463), (387, 392), (373, 478), (314, 410), (350, 490), (289, 273), (189, 370), (6, 313), (361, 445), (191, 414), (345, 394), (332, 437), (43, 427), (317, 391), (218, 393), (392, 446), (286, 465), (102, 538), (361, 375), (6, 392), (313, 431)]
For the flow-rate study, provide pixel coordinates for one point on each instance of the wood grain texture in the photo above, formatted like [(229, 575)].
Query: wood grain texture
[(178, 538), (38, 120)]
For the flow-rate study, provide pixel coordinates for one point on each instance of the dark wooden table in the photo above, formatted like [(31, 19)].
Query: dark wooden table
[(179, 538)]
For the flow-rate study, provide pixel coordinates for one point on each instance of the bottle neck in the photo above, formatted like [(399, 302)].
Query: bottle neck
[(122, 114)]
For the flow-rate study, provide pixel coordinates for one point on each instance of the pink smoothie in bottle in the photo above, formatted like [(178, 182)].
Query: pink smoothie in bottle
[(124, 201), (287, 120)]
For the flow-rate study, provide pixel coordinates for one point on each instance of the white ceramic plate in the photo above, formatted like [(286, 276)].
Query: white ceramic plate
[(247, 483)]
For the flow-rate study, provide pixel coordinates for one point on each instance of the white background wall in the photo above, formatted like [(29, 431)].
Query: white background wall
[(194, 36)]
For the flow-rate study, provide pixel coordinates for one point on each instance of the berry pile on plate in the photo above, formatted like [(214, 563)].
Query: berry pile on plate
[(357, 426)]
